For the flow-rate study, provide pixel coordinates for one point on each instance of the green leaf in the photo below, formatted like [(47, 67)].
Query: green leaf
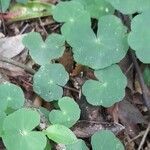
[(4, 5), (106, 140), (11, 96), (67, 11), (70, 15), (49, 80), (68, 114), (130, 6), (60, 134), (95, 50), (2, 117), (18, 132), (30, 10), (48, 146), (44, 52), (109, 89), (139, 38), (97, 8), (90, 49), (146, 75), (79, 145)]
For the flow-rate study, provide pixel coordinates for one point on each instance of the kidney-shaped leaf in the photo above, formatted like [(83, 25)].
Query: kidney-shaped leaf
[(10, 96), (44, 52), (106, 140), (60, 134), (139, 38), (109, 46), (18, 132), (109, 89), (48, 81), (130, 6), (68, 114), (79, 145), (97, 8)]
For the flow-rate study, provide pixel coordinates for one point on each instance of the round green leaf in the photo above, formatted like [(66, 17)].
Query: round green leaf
[(79, 145), (139, 38), (95, 50), (109, 89), (60, 134), (130, 6), (11, 96), (48, 81), (68, 114), (97, 8), (43, 52), (106, 140), (18, 132)]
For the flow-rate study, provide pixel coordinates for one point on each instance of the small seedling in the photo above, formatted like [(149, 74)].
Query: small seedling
[(103, 92), (68, 114), (49, 80), (17, 131), (44, 52)]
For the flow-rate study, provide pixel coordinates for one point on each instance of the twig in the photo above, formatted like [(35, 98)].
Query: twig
[(130, 67), (70, 88), (10, 61), (144, 87), (136, 137), (144, 137)]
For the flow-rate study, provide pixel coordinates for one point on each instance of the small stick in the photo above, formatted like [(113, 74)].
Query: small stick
[(136, 137), (69, 88), (144, 137), (15, 63), (144, 87)]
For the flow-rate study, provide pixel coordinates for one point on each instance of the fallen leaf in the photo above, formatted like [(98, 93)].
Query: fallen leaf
[(129, 113), (11, 46), (85, 129)]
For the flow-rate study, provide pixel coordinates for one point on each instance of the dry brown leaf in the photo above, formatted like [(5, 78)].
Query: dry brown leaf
[(85, 129), (129, 113)]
